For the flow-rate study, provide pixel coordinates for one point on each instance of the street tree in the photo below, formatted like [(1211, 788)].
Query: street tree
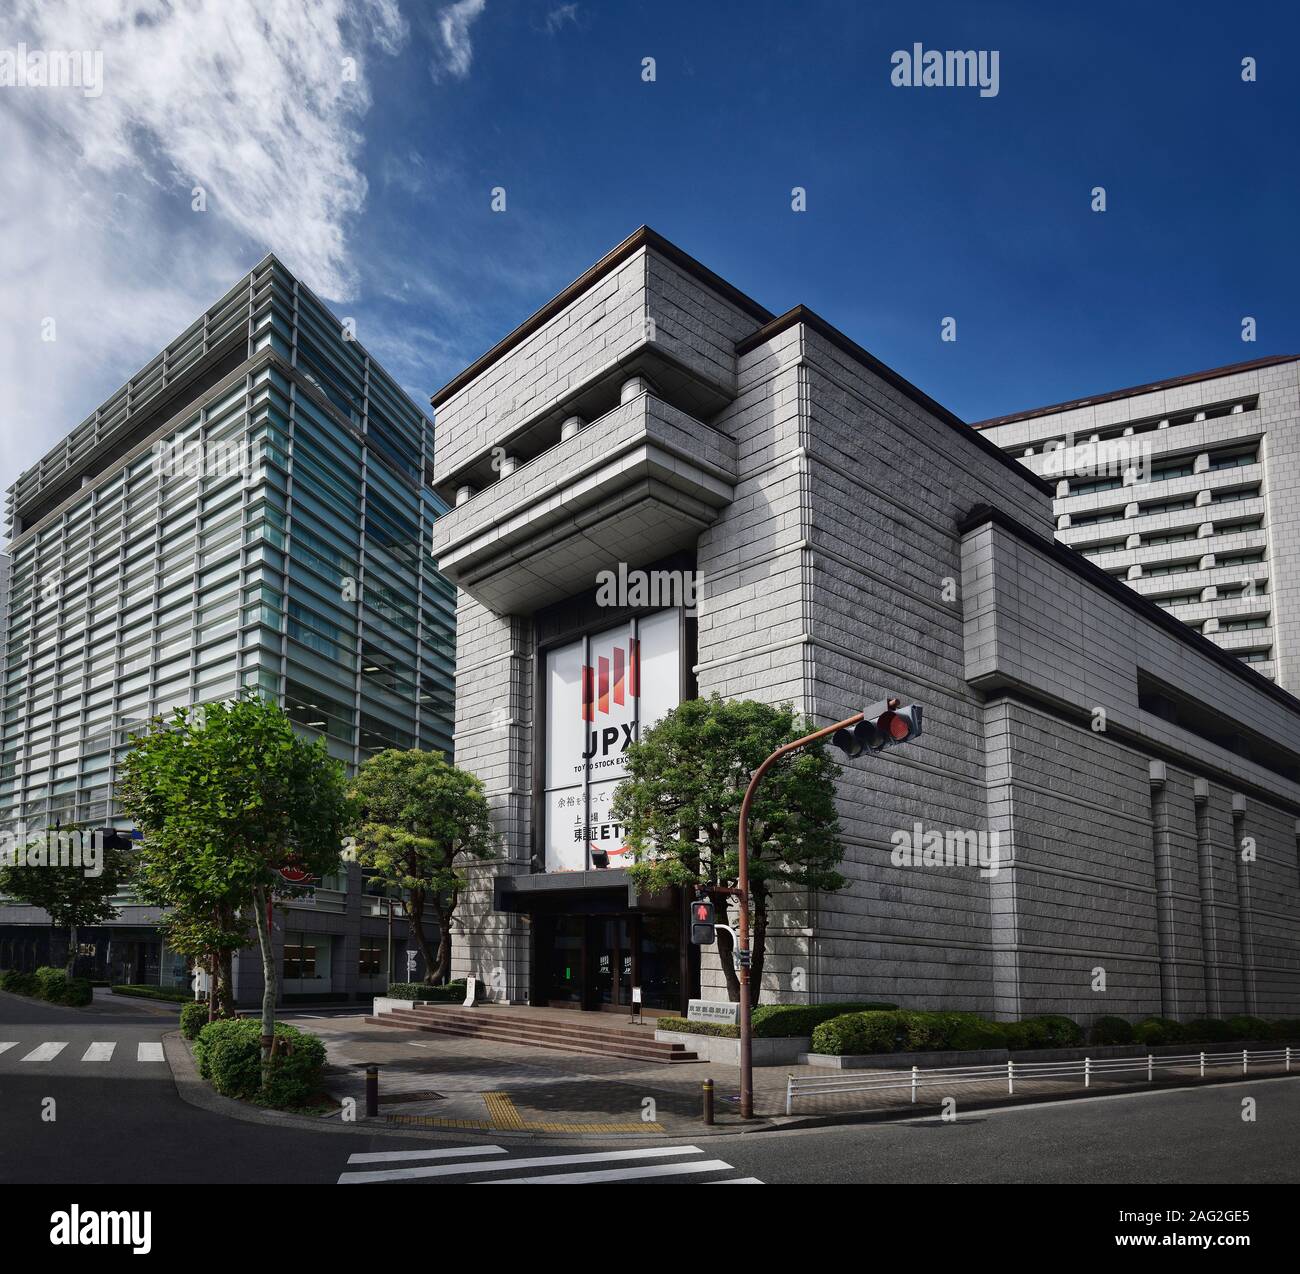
[(78, 893), (226, 795), (419, 821), (680, 807)]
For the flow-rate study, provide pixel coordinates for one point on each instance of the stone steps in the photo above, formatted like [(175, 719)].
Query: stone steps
[(527, 1031)]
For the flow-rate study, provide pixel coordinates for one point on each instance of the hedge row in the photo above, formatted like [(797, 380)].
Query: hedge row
[(771, 1021), (421, 991), (172, 994), (229, 1055), (916, 1032), (905, 1031), (49, 984)]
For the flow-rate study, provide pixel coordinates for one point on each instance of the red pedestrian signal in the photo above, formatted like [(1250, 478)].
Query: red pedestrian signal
[(703, 921)]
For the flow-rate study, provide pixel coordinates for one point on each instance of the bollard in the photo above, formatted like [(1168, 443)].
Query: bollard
[(708, 1101), (372, 1092)]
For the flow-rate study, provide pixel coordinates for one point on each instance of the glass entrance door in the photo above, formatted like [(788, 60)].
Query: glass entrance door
[(611, 965)]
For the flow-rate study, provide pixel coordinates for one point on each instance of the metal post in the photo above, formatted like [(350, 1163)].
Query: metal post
[(1243, 1061), (372, 1092), (1202, 1065), (1288, 1057), (1151, 1068), (742, 883), (913, 1083), (789, 1094), (1087, 1072), (1011, 1076), (708, 1101)]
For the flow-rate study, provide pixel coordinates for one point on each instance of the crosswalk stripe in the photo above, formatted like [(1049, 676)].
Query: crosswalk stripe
[(46, 1052), (149, 1053), (386, 1156), (99, 1053), (5, 1047), (509, 1165), (616, 1174)]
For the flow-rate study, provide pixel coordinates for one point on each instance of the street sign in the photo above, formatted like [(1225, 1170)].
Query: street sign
[(410, 965)]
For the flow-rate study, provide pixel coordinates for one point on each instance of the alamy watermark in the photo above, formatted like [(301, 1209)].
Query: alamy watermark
[(919, 67), (1100, 458), (649, 588), (21, 67), (946, 847), (226, 458), (53, 848)]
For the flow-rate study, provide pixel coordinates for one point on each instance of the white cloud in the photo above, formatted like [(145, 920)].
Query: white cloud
[(559, 16), (454, 52), (252, 103)]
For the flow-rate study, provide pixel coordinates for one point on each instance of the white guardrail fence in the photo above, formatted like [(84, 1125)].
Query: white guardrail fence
[(877, 1081)]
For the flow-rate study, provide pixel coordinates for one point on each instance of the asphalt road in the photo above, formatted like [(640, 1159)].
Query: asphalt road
[(119, 1120)]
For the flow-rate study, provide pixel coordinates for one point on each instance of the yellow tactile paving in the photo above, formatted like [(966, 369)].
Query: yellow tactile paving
[(504, 1116)]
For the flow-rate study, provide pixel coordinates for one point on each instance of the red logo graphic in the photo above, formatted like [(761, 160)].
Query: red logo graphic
[(596, 686)]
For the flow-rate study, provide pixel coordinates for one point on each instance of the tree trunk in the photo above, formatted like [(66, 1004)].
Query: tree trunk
[(72, 951), (226, 973), (726, 950), (415, 930), (262, 920), (442, 972)]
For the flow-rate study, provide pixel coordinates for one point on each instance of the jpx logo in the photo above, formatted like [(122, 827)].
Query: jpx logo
[(945, 68), (616, 679), (76, 1228)]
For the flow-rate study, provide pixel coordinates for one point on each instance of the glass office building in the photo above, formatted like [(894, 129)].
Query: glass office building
[(251, 510)]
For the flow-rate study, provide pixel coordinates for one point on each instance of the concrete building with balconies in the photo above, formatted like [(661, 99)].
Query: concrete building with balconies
[(850, 538), (1187, 489)]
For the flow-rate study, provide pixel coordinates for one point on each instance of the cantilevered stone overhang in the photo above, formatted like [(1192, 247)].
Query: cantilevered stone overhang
[(641, 482)]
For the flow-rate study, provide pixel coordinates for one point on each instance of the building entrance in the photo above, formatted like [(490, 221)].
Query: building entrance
[(593, 962)]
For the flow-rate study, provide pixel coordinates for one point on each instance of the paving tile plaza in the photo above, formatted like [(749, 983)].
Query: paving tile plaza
[(431, 1082)]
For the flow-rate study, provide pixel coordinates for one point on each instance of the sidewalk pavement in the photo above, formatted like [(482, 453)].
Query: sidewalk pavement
[(447, 1083)]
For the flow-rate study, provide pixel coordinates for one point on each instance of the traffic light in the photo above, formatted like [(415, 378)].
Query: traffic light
[(703, 921), (883, 725)]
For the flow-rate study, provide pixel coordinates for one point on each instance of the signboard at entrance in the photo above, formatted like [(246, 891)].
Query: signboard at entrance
[(713, 1011), (471, 990), (601, 694), (294, 875)]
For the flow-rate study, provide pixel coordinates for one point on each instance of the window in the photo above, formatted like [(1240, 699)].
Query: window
[(371, 964), (299, 957)]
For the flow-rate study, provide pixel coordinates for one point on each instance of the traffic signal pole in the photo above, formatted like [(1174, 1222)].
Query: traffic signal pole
[(746, 1038)]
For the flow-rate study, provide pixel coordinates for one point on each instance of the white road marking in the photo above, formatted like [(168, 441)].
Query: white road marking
[(100, 1052), (46, 1052), (387, 1156), (509, 1165), (736, 1181), (149, 1053), (5, 1047), (616, 1174)]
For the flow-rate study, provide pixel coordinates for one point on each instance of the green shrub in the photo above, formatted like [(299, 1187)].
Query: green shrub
[(771, 1021), (967, 1031), (1206, 1030), (172, 994), (194, 1017), (1049, 1030), (55, 986), (421, 991), (1284, 1029), (1245, 1027), (19, 983), (1157, 1030), (1111, 1030), (229, 1055), (869, 1032), (720, 1030)]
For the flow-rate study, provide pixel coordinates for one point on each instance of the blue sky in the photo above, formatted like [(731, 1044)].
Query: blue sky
[(923, 203)]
